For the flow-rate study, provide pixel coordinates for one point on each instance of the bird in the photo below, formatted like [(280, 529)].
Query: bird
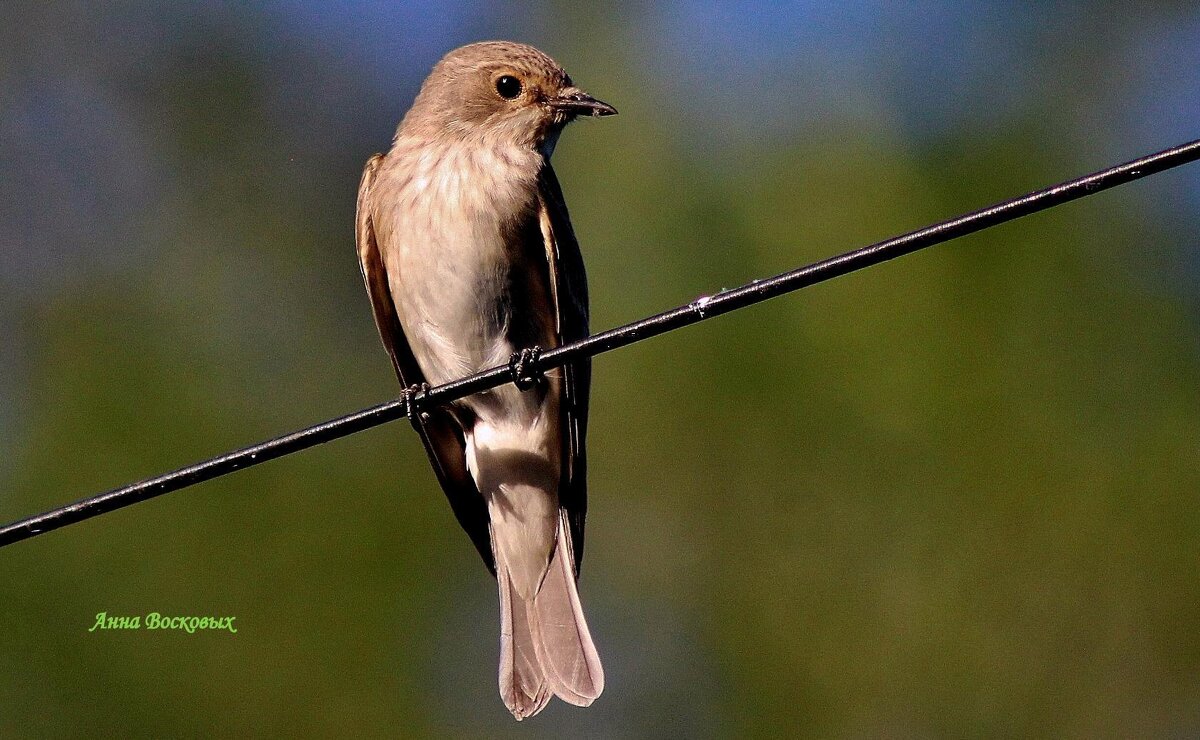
[(469, 258)]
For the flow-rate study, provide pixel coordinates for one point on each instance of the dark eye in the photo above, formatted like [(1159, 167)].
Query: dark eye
[(508, 86)]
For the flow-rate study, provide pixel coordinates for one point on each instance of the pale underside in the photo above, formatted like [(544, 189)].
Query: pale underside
[(468, 255)]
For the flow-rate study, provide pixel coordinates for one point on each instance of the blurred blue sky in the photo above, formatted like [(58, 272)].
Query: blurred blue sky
[(79, 165)]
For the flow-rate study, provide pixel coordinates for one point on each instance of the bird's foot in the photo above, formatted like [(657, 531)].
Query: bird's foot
[(410, 408), (523, 367)]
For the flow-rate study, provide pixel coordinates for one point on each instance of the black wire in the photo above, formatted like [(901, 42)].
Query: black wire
[(694, 312)]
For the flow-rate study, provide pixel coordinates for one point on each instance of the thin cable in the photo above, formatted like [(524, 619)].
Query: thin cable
[(699, 310)]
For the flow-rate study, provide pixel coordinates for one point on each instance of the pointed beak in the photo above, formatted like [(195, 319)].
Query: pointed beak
[(576, 102)]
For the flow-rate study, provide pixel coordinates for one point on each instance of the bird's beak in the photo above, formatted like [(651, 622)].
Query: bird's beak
[(576, 102)]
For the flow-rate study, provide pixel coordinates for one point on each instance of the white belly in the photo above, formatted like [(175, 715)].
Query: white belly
[(441, 225), (448, 264), (462, 289)]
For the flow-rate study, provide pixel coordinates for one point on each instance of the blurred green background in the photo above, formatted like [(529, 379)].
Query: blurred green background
[(954, 495)]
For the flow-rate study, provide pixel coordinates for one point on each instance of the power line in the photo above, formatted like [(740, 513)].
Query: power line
[(698, 310)]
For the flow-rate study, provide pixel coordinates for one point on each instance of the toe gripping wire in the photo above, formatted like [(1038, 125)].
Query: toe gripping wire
[(523, 366), (412, 396)]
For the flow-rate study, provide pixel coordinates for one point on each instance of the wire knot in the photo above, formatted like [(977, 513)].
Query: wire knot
[(524, 370)]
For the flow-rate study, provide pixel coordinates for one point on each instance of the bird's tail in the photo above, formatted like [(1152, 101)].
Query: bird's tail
[(545, 645)]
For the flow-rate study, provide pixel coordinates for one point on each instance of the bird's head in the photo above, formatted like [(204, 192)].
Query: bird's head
[(500, 91)]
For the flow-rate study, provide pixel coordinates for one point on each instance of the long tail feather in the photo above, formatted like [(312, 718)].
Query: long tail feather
[(522, 684), (563, 643)]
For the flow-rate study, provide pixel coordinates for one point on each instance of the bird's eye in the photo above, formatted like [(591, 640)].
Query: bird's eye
[(508, 86)]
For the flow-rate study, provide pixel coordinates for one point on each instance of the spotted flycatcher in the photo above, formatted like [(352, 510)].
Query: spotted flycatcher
[(468, 256)]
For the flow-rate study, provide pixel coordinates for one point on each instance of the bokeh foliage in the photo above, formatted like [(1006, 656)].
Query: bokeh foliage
[(952, 495)]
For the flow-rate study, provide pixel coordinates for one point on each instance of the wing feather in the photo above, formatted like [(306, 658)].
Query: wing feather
[(568, 281), (439, 431)]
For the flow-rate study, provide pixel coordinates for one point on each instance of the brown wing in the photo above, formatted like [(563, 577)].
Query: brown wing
[(439, 432), (568, 282)]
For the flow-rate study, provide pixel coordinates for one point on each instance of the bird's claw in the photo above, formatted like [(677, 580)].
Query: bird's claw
[(409, 394), (523, 367)]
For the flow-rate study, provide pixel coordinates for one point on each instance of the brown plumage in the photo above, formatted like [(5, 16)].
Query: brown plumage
[(468, 255)]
